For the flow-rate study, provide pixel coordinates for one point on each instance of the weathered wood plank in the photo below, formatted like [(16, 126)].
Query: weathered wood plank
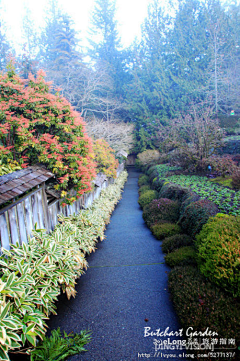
[(45, 209), (4, 235), (51, 211), (13, 224), (21, 223), (34, 204), (40, 210), (50, 223), (28, 216)]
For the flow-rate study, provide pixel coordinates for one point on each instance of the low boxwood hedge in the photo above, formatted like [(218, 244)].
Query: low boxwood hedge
[(146, 197), (181, 256), (218, 246), (163, 230), (201, 305), (178, 240), (196, 215), (162, 209)]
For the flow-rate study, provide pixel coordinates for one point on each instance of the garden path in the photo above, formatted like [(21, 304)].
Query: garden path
[(123, 291)]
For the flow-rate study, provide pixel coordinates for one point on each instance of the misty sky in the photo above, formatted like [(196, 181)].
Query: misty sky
[(130, 15)]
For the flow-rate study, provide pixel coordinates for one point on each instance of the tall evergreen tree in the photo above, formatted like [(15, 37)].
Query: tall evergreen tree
[(188, 53), (148, 93), (27, 61), (223, 37), (5, 48), (105, 45)]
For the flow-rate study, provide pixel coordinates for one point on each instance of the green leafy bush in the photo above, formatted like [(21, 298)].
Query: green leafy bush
[(147, 197), (219, 249), (58, 347), (196, 215), (236, 178), (200, 304), (192, 197), (143, 180), (158, 183), (174, 191), (181, 256), (161, 209), (163, 230), (178, 240), (152, 171), (143, 189)]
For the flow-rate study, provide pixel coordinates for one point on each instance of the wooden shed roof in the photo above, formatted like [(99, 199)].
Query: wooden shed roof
[(15, 184)]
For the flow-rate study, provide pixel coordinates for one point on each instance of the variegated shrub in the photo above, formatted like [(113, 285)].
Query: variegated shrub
[(32, 275)]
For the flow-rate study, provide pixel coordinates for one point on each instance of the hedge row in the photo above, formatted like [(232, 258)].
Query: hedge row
[(205, 279), (32, 275)]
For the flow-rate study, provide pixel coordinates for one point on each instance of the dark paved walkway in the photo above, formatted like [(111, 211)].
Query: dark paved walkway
[(125, 285)]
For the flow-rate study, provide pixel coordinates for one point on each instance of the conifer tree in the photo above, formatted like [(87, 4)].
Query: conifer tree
[(105, 45), (5, 48)]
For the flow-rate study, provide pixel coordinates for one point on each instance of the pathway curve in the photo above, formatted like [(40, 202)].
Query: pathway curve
[(123, 291)]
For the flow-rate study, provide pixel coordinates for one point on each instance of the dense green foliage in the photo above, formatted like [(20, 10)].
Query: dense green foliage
[(147, 197), (201, 305), (143, 180), (196, 215), (143, 189), (183, 59), (174, 242), (174, 191), (58, 347), (163, 229), (218, 250), (161, 209), (181, 256)]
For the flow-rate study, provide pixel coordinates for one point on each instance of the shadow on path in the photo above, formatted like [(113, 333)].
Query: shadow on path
[(123, 291)]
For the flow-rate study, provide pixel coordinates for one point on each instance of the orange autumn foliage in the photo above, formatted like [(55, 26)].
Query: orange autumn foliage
[(105, 158), (38, 126)]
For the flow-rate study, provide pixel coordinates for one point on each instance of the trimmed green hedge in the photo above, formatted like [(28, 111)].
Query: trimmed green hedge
[(181, 256), (219, 251), (169, 244), (174, 191), (163, 230), (196, 215), (161, 209), (200, 304), (147, 197), (143, 189), (142, 180)]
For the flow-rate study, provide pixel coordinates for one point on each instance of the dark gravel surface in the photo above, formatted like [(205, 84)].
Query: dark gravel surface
[(123, 291)]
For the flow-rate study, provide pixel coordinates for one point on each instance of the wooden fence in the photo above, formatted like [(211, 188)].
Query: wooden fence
[(19, 218)]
